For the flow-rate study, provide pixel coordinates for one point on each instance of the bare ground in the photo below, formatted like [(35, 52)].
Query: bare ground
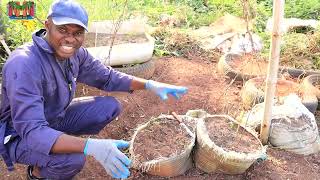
[(207, 90)]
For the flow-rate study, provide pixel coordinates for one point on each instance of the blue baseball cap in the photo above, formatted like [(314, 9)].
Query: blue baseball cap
[(68, 12)]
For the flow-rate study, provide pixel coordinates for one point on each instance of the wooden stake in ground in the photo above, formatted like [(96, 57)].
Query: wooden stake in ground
[(278, 12)]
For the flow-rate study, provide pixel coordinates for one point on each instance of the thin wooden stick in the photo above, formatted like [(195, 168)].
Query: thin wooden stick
[(116, 29), (4, 44), (176, 117), (278, 12), (246, 13)]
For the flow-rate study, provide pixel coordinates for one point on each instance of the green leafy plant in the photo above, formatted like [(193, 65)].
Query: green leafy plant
[(305, 9)]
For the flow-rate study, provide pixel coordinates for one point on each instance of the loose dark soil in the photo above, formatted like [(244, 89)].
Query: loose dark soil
[(106, 39), (229, 136), (163, 138)]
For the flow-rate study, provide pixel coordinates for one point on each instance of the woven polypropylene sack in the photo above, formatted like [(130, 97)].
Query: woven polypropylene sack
[(300, 140), (211, 158), (171, 166), (297, 131), (292, 127)]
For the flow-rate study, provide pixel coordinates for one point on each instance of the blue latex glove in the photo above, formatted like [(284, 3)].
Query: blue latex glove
[(162, 89), (107, 153)]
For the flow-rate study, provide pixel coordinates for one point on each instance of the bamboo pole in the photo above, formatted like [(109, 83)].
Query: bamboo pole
[(272, 76)]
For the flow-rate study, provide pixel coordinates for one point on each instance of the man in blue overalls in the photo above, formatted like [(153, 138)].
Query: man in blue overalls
[(39, 119)]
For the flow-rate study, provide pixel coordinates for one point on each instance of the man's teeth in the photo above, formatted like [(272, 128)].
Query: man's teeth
[(68, 48)]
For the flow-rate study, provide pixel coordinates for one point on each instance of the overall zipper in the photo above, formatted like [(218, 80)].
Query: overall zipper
[(65, 72)]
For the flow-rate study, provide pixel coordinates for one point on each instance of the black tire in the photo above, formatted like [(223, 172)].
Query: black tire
[(143, 70), (310, 102), (251, 95), (297, 73)]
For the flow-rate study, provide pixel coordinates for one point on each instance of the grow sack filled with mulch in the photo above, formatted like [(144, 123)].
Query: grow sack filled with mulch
[(240, 67), (244, 67), (223, 145), (254, 89), (163, 147)]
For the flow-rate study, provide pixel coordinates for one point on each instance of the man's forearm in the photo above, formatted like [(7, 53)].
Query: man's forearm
[(68, 144), (138, 83)]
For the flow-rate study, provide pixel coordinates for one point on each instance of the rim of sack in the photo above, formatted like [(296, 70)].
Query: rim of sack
[(236, 155), (308, 83), (148, 165)]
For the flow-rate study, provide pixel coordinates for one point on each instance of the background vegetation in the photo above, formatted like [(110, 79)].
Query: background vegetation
[(191, 13)]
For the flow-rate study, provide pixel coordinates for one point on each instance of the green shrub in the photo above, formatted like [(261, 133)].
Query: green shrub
[(304, 9), (191, 13)]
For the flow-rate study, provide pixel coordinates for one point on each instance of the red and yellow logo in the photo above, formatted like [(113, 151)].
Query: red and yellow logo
[(21, 10)]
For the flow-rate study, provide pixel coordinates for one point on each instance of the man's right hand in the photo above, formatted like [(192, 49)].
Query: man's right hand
[(107, 152)]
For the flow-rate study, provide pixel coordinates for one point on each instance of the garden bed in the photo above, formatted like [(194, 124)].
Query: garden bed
[(207, 90)]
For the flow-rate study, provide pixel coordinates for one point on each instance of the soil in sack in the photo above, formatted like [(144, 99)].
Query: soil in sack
[(106, 39), (162, 139), (283, 87), (230, 136), (249, 64)]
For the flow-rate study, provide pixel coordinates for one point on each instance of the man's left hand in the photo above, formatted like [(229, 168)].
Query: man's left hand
[(162, 89)]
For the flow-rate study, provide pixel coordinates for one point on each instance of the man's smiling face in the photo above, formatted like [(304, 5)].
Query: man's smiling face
[(64, 39)]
